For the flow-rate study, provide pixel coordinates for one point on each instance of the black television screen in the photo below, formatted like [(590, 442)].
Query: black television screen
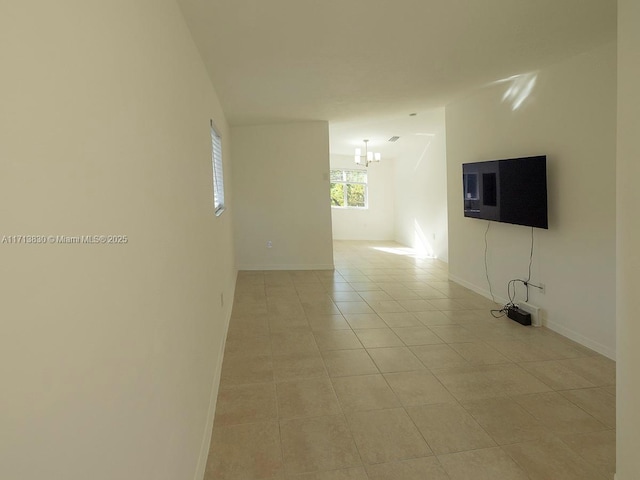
[(509, 191)]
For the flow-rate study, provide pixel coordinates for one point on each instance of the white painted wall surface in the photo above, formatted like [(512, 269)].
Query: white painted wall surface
[(108, 353), (628, 379), (281, 193), (569, 115), (377, 221), (421, 194)]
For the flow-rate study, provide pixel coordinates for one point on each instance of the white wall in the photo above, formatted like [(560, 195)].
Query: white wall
[(569, 116), (375, 222), (281, 192), (421, 194), (109, 354), (628, 380)]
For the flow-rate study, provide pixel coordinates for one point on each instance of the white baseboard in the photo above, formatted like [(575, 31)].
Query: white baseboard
[(319, 266), (478, 290), (581, 339), (213, 397), (206, 437), (564, 331)]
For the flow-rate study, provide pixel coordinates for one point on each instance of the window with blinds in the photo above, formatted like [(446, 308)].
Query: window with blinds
[(349, 189), (218, 178)]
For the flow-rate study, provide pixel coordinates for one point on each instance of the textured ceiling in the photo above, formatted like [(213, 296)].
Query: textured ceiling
[(350, 61)]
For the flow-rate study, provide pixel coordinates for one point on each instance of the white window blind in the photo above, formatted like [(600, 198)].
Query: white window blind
[(218, 178)]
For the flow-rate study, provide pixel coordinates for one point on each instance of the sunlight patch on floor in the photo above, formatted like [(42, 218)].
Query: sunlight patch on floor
[(405, 251)]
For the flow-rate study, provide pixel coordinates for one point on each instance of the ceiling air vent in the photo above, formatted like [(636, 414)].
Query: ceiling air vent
[(394, 139)]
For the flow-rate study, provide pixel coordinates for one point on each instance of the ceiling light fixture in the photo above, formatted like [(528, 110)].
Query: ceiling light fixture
[(368, 157)]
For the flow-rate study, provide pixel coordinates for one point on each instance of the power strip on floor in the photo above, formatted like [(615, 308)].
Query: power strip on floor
[(519, 315)]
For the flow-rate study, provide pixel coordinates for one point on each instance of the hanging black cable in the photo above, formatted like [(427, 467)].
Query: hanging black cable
[(526, 284), (486, 267)]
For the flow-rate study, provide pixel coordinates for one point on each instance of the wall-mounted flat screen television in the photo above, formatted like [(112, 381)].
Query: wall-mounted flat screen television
[(510, 191)]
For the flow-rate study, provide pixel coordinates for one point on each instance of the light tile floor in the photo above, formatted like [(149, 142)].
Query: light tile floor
[(385, 370)]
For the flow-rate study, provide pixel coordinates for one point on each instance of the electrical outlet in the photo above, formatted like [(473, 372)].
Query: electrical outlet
[(222, 300), (543, 288), (269, 244)]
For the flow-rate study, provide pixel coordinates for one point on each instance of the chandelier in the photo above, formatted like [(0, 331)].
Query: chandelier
[(368, 157)]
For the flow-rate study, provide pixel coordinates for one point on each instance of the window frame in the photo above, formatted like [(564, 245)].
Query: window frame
[(217, 157), (345, 183)]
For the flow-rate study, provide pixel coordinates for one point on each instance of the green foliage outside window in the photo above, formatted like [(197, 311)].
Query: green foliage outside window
[(349, 188)]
